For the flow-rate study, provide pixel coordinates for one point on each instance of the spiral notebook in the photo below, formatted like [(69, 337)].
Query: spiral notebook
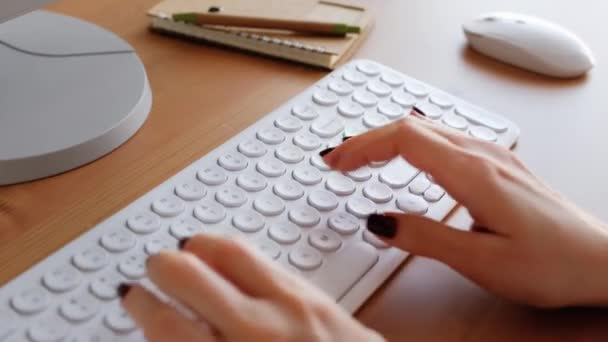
[(317, 50)]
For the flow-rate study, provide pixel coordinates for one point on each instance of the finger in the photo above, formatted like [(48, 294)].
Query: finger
[(251, 271), (158, 320), (184, 277), (466, 252)]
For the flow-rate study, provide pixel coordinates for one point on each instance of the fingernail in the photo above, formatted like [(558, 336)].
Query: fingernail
[(123, 289), (346, 138), (381, 225), (326, 151), (419, 111), (181, 243)]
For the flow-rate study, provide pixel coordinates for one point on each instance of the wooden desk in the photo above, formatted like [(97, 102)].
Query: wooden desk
[(203, 95)]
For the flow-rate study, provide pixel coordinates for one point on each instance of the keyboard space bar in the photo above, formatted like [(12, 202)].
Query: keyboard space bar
[(345, 268)]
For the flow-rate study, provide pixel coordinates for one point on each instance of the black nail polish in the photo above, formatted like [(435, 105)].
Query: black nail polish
[(419, 111), (346, 138), (384, 226), (326, 151), (181, 243), (214, 9), (123, 289)]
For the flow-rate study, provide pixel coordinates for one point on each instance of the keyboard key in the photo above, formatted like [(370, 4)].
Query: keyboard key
[(455, 121), (362, 174), (248, 221), (271, 167), (252, 148), (398, 173), (378, 192), (133, 266), (209, 212), (335, 279), (391, 110), (62, 279), (368, 68), (212, 175), (434, 193), (91, 259), (307, 141), (305, 258), (419, 185), (323, 200), (344, 223), (416, 89), (10, 324), (307, 175), (146, 223), (442, 101), (184, 228), (327, 127), (354, 77), (304, 112), (404, 99), (319, 163), (475, 117), (325, 97), (233, 161), (30, 301), (251, 182), (288, 124), (412, 204), (350, 109), (430, 110), (340, 184), (373, 240), (271, 136), (79, 308), (391, 78), (324, 240), (304, 216), (104, 286), (155, 246), (169, 206), (360, 206), (119, 321), (284, 233), (340, 87), (48, 329), (374, 120), (290, 154), (269, 205), (190, 190), (365, 98), (288, 190), (483, 133), (379, 88), (268, 248), (231, 196)]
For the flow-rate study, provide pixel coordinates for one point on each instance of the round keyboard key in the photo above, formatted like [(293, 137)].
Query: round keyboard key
[(119, 321), (318, 162), (344, 223), (323, 200), (483, 133), (144, 223), (324, 240), (91, 259), (133, 266), (419, 185), (360, 206), (378, 164), (268, 248), (362, 174), (62, 279), (252, 148), (373, 120), (288, 124), (231, 196), (340, 184), (79, 308), (212, 175), (307, 175), (412, 204), (104, 286), (327, 127), (442, 101), (284, 233), (368, 68), (271, 167), (350, 109), (47, 329), (476, 117), (248, 221), (379, 88), (304, 216), (430, 110), (288, 190), (118, 241), (434, 193), (233, 161), (378, 192), (190, 191), (251, 182), (185, 228), (365, 98), (30, 301), (455, 121), (169, 206), (307, 141), (155, 246), (391, 110), (209, 212), (304, 112), (305, 258), (269, 205), (404, 99), (354, 77), (271, 136), (340, 87), (392, 79), (416, 89), (325, 97), (373, 240), (290, 154)]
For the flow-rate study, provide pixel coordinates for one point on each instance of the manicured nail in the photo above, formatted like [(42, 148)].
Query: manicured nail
[(181, 243), (419, 111), (326, 151), (346, 138), (385, 226), (123, 289)]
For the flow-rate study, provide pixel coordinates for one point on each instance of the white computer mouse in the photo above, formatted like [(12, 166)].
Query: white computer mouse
[(530, 43)]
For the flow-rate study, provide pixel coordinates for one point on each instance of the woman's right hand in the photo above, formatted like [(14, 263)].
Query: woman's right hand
[(532, 245)]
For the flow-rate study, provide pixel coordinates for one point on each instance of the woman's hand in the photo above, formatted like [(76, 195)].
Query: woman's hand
[(236, 295), (531, 245)]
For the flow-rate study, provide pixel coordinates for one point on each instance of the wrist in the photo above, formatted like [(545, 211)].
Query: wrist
[(597, 276)]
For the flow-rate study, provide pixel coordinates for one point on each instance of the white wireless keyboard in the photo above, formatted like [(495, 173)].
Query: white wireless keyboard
[(267, 184)]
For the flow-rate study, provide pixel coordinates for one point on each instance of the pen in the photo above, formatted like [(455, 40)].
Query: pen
[(266, 23)]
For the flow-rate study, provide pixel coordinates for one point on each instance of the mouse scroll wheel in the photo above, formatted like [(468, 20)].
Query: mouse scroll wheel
[(489, 18)]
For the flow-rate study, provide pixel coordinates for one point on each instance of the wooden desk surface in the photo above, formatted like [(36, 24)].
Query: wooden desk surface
[(203, 95)]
